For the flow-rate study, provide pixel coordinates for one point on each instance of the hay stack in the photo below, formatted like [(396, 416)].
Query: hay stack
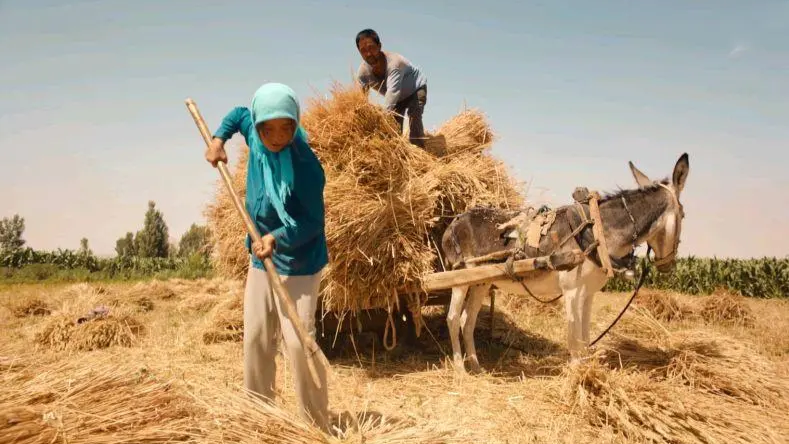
[(725, 308), (384, 197), (64, 331)]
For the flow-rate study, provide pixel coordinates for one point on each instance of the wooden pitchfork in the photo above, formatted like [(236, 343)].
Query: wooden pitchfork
[(311, 349)]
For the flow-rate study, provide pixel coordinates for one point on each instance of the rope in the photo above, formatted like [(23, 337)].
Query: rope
[(511, 274), (644, 272), (390, 327), (492, 317)]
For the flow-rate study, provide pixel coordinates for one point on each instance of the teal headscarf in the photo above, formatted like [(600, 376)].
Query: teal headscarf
[(274, 101)]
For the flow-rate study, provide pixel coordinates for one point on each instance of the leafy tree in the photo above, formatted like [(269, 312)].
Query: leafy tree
[(172, 251), (11, 230), (83, 246), (125, 245), (153, 239), (197, 239)]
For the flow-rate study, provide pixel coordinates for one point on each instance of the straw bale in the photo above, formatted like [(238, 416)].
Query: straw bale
[(726, 308), (385, 198)]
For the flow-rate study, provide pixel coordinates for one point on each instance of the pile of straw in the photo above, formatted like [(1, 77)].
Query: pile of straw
[(84, 291), (658, 385), (241, 418), (63, 330), (143, 304), (26, 307), (199, 302), (227, 321), (215, 286), (202, 295), (640, 408), (95, 402), (527, 305), (662, 305), (63, 333), (154, 289), (703, 361), (384, 197), (109, 399), (726, 308)]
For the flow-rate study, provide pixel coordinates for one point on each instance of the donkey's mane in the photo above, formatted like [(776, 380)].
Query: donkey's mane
[(632, 192)]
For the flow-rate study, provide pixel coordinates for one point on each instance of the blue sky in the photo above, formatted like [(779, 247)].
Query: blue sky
[(93, 125)]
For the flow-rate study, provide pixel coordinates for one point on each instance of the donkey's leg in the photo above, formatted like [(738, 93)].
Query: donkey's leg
[(453, 322), (595, 281), (468, 323), (578, 286), (572, 297)]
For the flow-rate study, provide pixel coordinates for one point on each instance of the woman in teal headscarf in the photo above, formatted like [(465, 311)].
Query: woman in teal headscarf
[(284, 198)]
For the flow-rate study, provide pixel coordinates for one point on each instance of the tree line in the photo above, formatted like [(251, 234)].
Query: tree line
[(146, 251), (153, 239)]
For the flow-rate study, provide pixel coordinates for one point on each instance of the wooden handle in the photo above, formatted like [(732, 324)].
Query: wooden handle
[(311, 349), (597, 228), (483, 273)]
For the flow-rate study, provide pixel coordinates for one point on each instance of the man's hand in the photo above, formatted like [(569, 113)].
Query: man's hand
[(216, 152), (265, 247)]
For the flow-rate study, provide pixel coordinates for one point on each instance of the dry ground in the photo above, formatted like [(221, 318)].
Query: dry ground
[(675, 369)]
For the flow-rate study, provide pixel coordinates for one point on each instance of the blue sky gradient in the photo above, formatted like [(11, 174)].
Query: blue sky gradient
[(93, 125)]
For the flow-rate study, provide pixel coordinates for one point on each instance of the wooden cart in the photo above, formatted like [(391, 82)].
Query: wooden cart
[(437, 287)]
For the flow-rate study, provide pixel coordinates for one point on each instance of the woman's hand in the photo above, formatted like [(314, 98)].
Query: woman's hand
[(215, 152), (265, 247)]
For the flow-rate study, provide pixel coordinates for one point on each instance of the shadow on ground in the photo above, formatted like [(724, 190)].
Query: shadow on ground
[(507, 350)]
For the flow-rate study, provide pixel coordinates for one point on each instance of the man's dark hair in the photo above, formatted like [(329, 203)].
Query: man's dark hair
[(367, 33)]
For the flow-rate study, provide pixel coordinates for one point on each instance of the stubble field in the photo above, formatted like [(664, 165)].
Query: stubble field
[(165, 365)]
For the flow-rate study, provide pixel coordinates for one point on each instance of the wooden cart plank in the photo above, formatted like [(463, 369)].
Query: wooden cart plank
[(482, 273)]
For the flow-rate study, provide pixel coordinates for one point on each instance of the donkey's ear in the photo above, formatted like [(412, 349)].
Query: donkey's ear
[(641, 179), (681, 170)]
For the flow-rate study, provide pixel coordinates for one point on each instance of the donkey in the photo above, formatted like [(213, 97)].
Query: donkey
[(651, 213)]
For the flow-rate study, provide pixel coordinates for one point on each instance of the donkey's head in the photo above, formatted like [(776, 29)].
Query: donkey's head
[(663, 239)]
